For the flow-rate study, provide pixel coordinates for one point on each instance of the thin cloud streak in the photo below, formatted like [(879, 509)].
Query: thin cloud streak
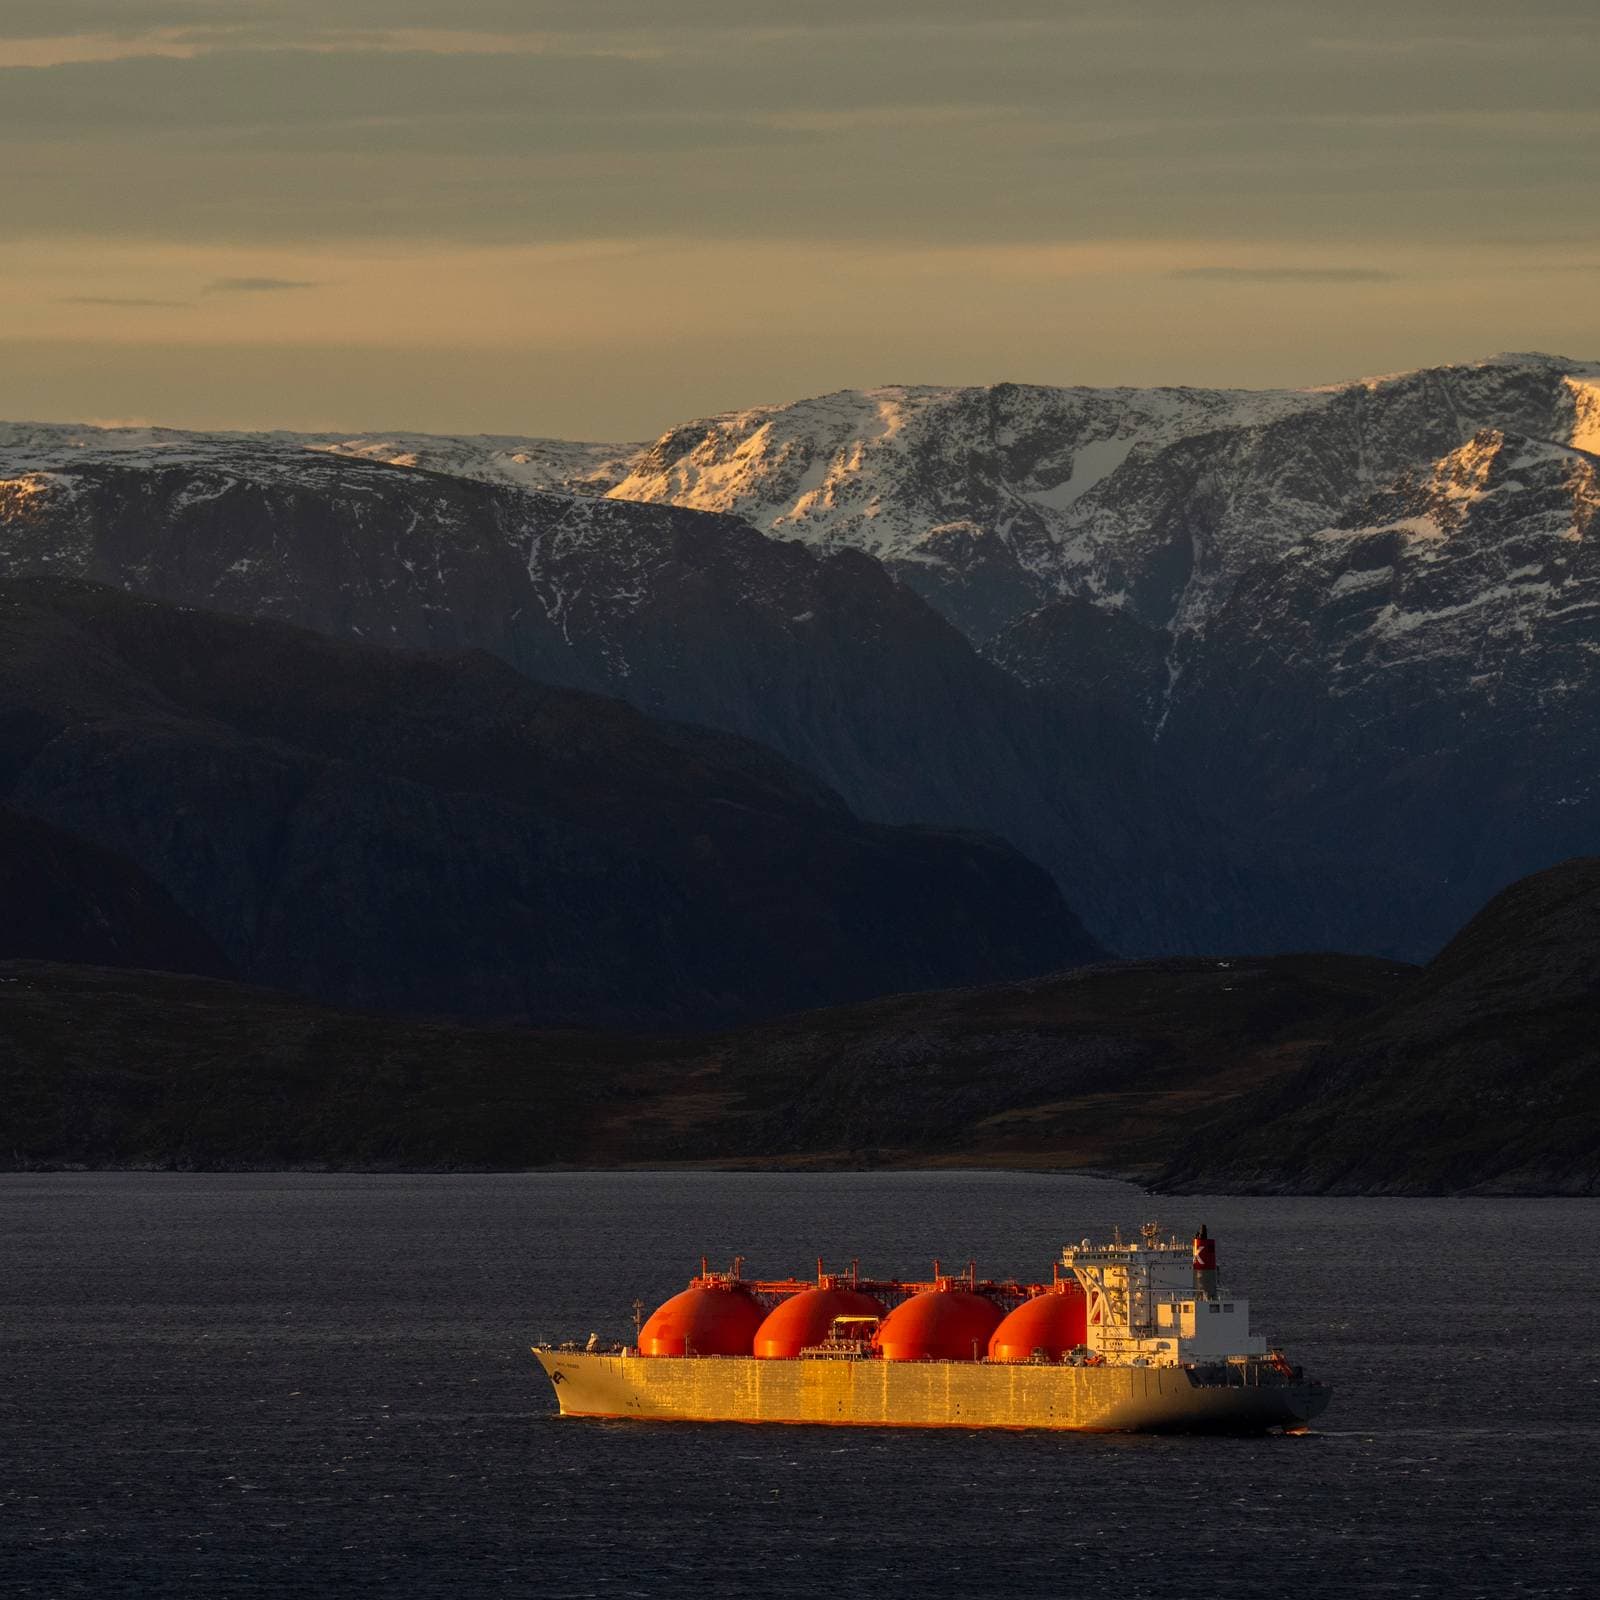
[(125, 302), (259, 285), (1284, 275)]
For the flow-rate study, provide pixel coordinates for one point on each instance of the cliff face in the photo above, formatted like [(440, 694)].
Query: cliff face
[(435, 833)]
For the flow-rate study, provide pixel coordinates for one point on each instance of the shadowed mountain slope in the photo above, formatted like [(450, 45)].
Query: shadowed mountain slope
[(1404, 706), (435, 833), (684, 614), (66, 899)]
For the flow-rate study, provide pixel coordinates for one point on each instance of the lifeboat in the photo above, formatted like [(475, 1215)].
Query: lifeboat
[(943, 1324), (807, 1319), (705, 1320), (1051, 1323)]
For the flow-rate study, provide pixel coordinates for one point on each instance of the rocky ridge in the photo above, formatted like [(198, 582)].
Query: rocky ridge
[(992, 501)]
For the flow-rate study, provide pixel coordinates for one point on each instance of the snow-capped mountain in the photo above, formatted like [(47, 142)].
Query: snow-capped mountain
[(992, 501), (1351, 625)]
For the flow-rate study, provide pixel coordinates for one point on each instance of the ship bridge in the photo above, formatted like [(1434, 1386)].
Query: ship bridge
[(1156, 1302)]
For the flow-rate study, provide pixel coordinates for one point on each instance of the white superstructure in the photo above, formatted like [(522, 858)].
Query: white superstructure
[(1155, 1303)]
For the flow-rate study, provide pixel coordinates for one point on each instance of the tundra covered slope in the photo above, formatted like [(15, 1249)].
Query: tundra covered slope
[(1104, 1067), (1481, 1076), (1292, 1074), (433, 833)]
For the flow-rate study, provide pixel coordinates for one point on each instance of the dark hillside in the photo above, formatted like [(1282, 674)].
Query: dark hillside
[(434, 833), (121, 1068), (1285, 1074), (1103, 1068), (684, 614), (64, 899), (1484, 1075)]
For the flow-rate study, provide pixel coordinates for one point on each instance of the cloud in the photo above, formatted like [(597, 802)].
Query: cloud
[(1285, 274), (125, 301), (258, 285)]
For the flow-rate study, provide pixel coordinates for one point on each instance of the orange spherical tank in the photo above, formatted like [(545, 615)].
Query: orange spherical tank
[(702, 1321), (1055, 1322), (938, 1325), (807, 1318)]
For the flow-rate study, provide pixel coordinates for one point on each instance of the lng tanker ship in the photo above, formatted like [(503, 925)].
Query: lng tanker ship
[(1126, 1337)]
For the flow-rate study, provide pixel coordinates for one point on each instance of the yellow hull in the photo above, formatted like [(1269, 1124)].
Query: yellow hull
[(926, 1394)]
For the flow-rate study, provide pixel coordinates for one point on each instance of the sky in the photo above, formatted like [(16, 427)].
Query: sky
[(599, 218)]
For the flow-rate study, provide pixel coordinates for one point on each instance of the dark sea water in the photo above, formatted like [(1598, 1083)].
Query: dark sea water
[(305, 1385)]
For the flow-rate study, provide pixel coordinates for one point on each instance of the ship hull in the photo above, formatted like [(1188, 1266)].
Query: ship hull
[(930, 1394)]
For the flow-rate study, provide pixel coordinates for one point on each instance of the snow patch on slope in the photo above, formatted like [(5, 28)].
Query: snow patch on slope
[(1091, 463)]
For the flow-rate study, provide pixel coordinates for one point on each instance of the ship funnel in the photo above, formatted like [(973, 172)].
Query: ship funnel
[(1205, 1265)]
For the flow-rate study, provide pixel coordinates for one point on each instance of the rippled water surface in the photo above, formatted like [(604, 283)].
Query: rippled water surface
[(269, 1385)]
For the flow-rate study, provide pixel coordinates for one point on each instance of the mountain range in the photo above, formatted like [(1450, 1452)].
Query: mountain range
[(1262, 671), (455, 786)]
